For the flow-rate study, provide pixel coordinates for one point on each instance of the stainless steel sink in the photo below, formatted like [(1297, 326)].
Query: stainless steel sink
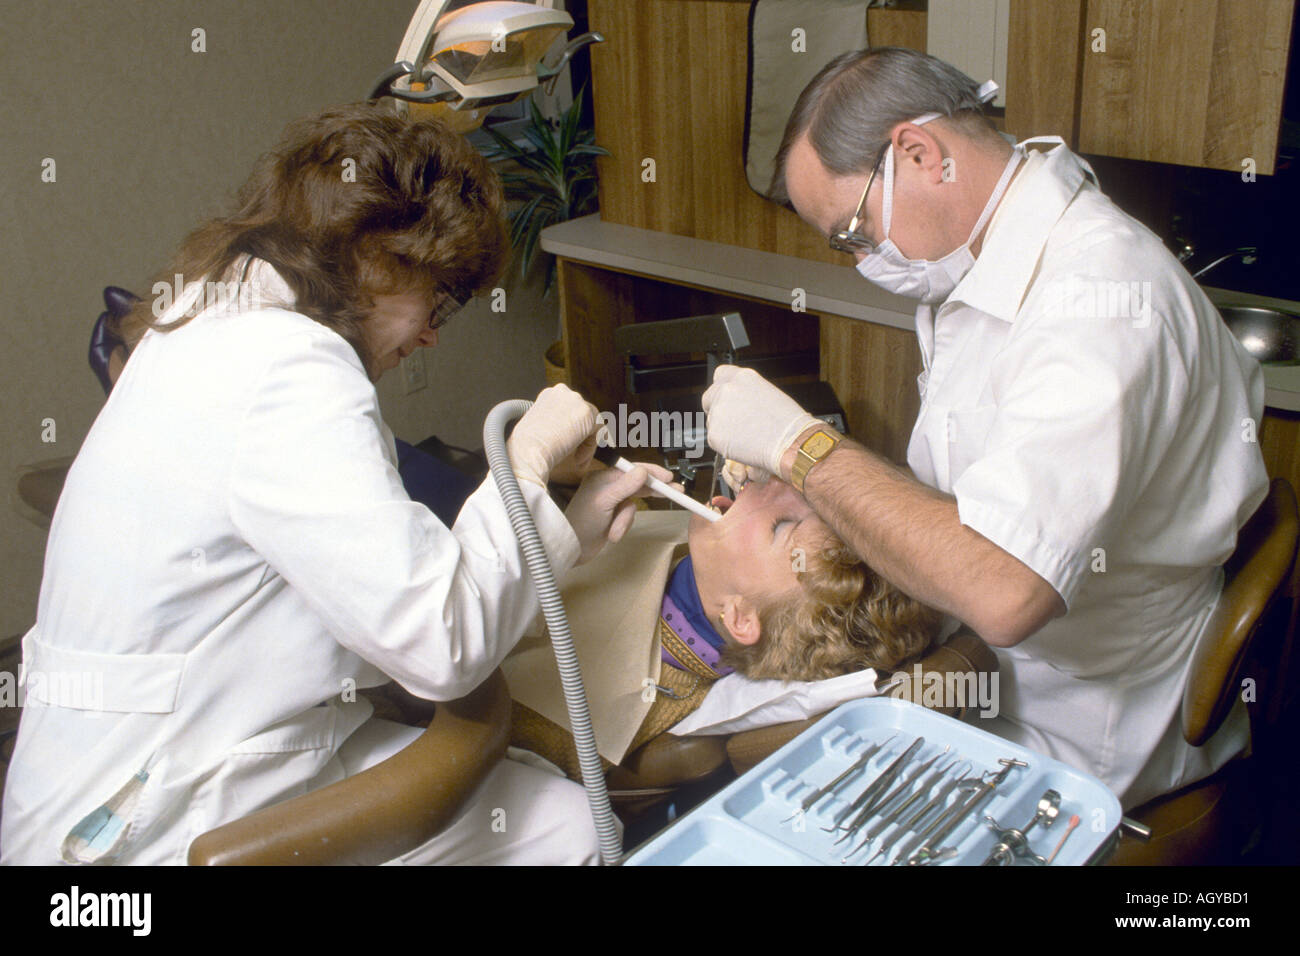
[(1272, 336)]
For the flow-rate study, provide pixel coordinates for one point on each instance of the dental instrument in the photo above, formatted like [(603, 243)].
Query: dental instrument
[(739, 825), (896, 815), (916, 819), (853, 770), (929, 850), (868, 796), (888, 800), (886, 804), (613, 459), (1013, 843), (963, 785), (1074, 822)]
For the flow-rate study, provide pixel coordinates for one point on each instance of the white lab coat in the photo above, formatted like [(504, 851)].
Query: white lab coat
[(1088, 409), (232, 557)]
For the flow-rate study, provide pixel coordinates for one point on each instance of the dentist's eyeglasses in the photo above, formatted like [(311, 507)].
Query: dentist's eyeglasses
[(452, 302), (851, 240)]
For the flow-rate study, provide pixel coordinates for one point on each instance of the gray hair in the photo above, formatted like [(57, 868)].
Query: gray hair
[(849, 108)]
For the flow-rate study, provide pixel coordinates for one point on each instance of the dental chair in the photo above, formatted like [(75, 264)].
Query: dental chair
[(382, 812), (664, 765), (1209, 821), (402, 802)]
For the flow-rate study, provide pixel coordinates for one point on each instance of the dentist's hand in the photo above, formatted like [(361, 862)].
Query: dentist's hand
[(751, 421), (558, 431), (737, 475), (602, 509)]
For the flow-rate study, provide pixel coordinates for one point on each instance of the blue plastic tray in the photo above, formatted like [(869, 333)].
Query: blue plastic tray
[(743, 823)]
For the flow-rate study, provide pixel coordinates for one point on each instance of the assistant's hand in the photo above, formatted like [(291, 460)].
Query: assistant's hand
[(560, 427), (603, 507), (750, 420)]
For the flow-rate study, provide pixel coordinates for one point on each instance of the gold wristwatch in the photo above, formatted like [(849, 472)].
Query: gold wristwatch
[(813, 449)]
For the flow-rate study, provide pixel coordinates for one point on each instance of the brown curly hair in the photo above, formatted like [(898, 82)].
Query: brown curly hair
[(354, 202), (847, 618)]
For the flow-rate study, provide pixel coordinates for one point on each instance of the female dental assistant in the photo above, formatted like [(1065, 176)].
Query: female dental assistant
[(234, 554)]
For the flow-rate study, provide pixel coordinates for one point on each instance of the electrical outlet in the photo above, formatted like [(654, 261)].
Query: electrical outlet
[(413, 372)]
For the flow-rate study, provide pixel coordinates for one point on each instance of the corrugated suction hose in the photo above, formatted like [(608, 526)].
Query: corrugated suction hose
[(557, 622)]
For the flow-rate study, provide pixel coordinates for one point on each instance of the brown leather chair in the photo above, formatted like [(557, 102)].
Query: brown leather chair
[(382, 812), (1208, 821)]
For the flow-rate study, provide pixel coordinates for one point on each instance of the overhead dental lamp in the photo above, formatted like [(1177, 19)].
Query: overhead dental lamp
[(459, 63)]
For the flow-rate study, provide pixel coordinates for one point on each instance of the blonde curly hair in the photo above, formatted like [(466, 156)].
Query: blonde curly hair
[(847, 618)]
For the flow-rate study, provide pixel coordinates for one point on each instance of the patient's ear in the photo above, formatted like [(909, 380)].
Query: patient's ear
[(741, 620)]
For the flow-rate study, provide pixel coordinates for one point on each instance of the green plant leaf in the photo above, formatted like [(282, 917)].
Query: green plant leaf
[(585, 150), (544, 146), (557, 178), (502, 147), (531, 239), (546, 136), (572, 117)]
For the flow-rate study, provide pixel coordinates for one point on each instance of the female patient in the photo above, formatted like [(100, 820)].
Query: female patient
[(768, 591)]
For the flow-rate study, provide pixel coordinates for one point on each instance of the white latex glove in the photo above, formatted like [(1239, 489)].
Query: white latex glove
[(750, 420), (560, 424), (737, 475), (603, 508)]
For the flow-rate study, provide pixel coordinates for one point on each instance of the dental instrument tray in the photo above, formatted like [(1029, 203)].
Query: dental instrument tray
[(885, 782)]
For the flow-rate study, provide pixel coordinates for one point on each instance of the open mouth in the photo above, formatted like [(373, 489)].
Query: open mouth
[(721, 504)]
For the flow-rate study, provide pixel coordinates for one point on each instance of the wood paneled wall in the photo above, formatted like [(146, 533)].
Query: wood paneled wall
[(669, 85), (873, 370)]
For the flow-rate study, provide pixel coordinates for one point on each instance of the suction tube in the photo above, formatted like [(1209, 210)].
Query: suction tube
[(557, 622)]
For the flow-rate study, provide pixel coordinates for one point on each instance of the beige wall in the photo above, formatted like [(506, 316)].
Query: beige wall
[(148, 138)]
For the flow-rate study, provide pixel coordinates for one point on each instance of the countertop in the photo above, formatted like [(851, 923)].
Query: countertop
[(836, 290)]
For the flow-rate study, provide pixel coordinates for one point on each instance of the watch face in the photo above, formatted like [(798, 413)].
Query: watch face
[(818, 444)]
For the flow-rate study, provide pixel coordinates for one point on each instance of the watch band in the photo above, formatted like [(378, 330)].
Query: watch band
[(813, 449)]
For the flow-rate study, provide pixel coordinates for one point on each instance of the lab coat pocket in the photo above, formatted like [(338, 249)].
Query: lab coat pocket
[(968, 433), (86, 680)]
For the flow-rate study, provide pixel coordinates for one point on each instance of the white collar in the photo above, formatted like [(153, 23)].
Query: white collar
[(1018, 232)]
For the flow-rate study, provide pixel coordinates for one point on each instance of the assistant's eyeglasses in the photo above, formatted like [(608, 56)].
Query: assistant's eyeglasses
[(451, 303)]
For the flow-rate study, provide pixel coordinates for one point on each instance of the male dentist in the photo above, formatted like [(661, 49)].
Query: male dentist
[(1084, 454)]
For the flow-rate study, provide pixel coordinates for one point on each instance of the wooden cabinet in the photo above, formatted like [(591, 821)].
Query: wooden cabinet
[(670, 86), (1190, 82)]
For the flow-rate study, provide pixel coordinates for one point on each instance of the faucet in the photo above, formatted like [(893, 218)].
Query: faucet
[(1247, 255)]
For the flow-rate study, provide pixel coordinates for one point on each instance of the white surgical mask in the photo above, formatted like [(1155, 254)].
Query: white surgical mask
[(929, 280)]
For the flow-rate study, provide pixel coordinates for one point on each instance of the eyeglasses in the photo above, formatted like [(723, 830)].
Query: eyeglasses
[(850, 240), (452, 302)]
